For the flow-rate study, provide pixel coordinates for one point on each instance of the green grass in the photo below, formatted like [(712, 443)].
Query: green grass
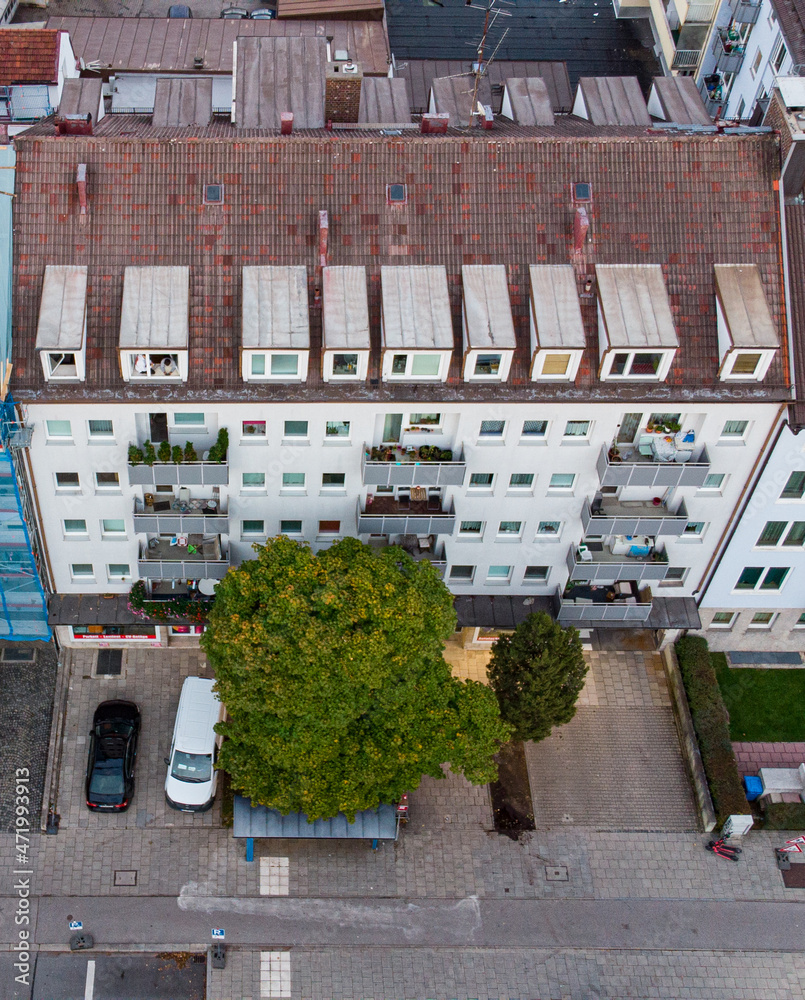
[(765, 706)]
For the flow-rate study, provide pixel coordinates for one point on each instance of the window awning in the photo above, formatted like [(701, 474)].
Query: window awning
[(555, 305), (416, 308), (345, 308), (635, 308), (275, 308), (155, 308), (63, 309), (487, 309), (739, 291)]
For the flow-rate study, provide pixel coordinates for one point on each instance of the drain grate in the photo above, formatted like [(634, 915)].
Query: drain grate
[(556, 873), (109, 663), (126, 878)]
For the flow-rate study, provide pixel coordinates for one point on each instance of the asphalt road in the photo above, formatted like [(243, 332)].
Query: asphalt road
[(168, 924)]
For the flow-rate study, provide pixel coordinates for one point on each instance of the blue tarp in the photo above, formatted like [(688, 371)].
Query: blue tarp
[(260, 821)]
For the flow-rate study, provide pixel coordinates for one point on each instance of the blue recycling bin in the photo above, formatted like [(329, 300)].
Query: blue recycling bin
[(753, 786)]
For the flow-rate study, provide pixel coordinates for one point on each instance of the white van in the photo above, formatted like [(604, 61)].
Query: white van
[(190, 784)]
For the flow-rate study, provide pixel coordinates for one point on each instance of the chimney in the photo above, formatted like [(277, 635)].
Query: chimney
[(73, 124), (324, 234), (342, 91), (435, 124), (488, 120), (81, 184), (286, 123), (581, 225)]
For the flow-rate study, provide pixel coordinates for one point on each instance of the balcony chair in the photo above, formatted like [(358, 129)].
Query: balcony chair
[(434, 500), (404, 499)]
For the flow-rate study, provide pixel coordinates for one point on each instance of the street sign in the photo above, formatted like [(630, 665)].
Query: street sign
[(217, 933), (76, 925)]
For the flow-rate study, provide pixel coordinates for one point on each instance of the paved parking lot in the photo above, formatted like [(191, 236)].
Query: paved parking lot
[(120, 977)]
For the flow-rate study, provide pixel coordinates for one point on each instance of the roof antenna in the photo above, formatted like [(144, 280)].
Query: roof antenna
[(488, 9)]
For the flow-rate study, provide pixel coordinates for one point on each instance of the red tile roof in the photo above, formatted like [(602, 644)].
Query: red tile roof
[(683, 201), (28, 55)]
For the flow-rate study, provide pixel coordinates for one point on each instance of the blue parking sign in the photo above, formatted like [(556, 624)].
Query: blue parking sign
[(76, 925), (217, 933)]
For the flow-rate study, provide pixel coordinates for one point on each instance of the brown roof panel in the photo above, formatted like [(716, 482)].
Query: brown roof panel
[(183, 102), (82, 97), (330, 8), (384, 100), (676, 99), (611, 100), (527, 102), (453, 95), (277, 75), (28, 55)]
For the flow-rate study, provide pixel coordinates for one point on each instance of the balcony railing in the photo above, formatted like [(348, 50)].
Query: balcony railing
[(389, 516), (686, 58), (623, 465), (700, 13), (183, 474), (605, 516), (198, 560), (168, 515), (397, 467), (584, 563), (746, 11), (729, 52), (597, 605)]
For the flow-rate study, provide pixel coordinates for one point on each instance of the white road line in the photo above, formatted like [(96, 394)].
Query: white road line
[(89, 988)]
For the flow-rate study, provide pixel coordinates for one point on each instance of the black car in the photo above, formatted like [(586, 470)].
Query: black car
[(112, 751), (179, 10)]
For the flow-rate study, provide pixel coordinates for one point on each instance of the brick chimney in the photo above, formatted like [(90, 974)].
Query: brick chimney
[(81, 184), (434, 124), (581, 226), (342, 92), (73, 124), (286, 122)]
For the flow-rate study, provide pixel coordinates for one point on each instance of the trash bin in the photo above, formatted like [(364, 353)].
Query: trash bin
[(753, 786)]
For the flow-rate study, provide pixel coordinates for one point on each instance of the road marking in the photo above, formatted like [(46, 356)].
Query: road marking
[(275, 973), (273, 876), (89, 988)]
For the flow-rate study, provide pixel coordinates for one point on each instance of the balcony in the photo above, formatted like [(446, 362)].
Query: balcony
[(598, 563), (426, 548), (625, 465), (167, 515), (729, 51), (181, 474), (746, 11), (399, 467), (387, 515), (606, 516), (200, 559), (623, 604)]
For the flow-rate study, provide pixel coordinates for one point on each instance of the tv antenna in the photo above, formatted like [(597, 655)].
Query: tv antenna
[(491, 14)]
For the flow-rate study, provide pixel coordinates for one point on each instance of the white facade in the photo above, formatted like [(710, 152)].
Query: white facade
[(745, 606)]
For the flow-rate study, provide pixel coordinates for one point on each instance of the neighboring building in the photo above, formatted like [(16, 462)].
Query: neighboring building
[(34, 64), (591, 396)]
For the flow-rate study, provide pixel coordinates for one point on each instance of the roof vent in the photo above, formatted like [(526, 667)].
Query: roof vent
[(341, 55), (81, 184), (349, 67), (581, 226), (198, 62)]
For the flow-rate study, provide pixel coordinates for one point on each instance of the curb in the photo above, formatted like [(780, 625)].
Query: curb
[(50, 791)]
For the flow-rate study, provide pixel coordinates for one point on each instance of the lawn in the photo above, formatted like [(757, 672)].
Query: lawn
[(765, 706)]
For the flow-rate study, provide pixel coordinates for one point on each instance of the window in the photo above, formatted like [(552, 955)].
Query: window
[(280, 366), (487, 364), (250, 527), (741, 109), (189, 420), (774, 578), (756, 63), (258, 364), (426, 419), (67, 481), (796, 534), (549, 527), (293, 480), (345, 365), (329, 527), (510, 528), (577, 429), (75, 526), (492, 428), (713, 481), (107, 481), (337, 429), (555, 365), (156, 365), (213, 194), (118, 571), (416, 366), (762, 619), (800, 623), (481, 480), (674, 576), (113, 526), (535, 428), (745, 364), (753, 575), (295, 428), (772, 533), (284, 364), (723, 619), (498, 574), (82, 571), (734, 429), (396, 194), (795, 487), (290, 527), (67, 366), (521, 480), (333, 480), (254, 428), (59, 429), (254, 480), (536, 574), (694, 529), (474, 528), (562, 481), (632, 364), (101, 429), (462, 574), (749, 578), (778, 58)]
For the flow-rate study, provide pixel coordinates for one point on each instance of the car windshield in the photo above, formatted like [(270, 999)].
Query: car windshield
[(107, 778), (195, 767), (116, 728)]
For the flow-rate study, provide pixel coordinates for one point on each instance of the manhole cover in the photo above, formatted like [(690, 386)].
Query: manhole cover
[(109, 663), (556, 873), (126, 878)]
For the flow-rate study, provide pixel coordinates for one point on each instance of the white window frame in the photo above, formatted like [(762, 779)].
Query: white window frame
[(474, 357), (578, 438), (191, 428), (497, 437), (675, 581), (69, 534), (407, 376), (247, 535), (337, 438), (48, 358), (571, 371), (256, 436), (562, 490), (801, 497), (463, 581), (248, 488), (714, 491), (297, 438), (302, 360), (520, 489), (534, 581), (66, 489), (475, 488), (328, 488), (728, 439), (110, 437), (117, 577), (724, 626), (762, 626), (728, 373), (361, 365), (81, 577), (476, 536), (107, 489), (532, 439), (499, 581), (541, 536), (292, 534), (666, 356), (510, 536), (152, 359), (758, 587), (293, 488), (59, 438), (113, 536)]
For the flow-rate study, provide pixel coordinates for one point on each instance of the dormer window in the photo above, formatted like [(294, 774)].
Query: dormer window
[(747, 338), (154, 324), (61, 333), (488, 329), (345, 321), (557, 331), (637, 339), (276, 328), (416, 324)]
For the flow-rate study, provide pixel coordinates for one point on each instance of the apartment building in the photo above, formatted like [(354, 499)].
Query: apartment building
[(546, 359)]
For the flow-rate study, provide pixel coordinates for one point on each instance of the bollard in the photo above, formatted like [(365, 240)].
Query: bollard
[(218, 955), (82, 941)]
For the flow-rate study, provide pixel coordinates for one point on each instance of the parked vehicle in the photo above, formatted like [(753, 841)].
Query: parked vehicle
[(234, 13), (179, 10), (192, 778), (112, 752), (263, 14)]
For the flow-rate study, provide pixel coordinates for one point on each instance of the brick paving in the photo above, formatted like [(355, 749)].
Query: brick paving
[(624, 680), (752, 756)]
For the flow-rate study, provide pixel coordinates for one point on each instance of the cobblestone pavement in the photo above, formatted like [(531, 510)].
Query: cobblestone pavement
[(25, 714), (752, 756), (561, 974)]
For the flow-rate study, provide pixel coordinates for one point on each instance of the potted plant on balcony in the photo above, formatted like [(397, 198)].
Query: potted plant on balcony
[(164, 453), (150, 453), (190, 452), (177, 454), (136, 455), (219, 449)]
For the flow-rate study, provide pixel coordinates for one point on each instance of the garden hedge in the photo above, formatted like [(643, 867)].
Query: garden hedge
[(784, 816), (711, 722)]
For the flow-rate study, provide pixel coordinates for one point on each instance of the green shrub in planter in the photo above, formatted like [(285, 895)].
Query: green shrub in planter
[(150, 453), (164, 453), (784, 816), (136, 455), (190, 452), (711, 722), (177, 454), (219, 449)]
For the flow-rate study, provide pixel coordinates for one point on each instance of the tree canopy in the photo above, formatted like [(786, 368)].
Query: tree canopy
[(537, 674), (331, 669)]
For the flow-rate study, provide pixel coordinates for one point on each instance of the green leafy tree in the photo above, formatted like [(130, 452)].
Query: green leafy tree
[(537, 674), (331, 669)]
